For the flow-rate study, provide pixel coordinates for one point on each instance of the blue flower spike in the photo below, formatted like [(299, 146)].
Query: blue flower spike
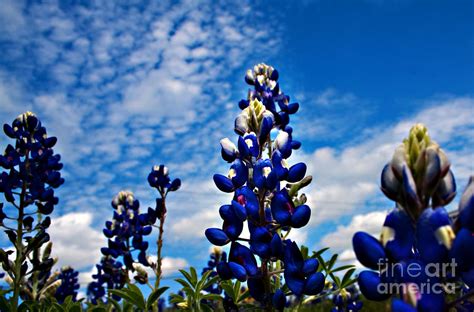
[(266, 200)]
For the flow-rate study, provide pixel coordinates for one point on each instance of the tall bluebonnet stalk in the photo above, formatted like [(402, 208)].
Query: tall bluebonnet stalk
[(160, 180), (28, 182), (418, 234), (69, 284), (126, 249), (265, 191)]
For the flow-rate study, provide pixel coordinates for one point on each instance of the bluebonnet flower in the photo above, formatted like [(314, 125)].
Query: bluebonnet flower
[(126, 231), (28, 182), (110, 275), (69, 284), (265, 197), (217, 255), (418, 232)]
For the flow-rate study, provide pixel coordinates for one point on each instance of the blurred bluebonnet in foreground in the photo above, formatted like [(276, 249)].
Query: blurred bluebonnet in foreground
[(418, 234), (265, 191), (31, 173)]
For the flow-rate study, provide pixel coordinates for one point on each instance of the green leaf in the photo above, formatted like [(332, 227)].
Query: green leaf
[(124, 294), (213, 297), (229, 289), (320, 252), (347, 277), (193, 275), (203, 279), (304, 251), (154, 296), (211, 281), (332, 261), (176, 298), (116, 304), (188, 277), (344, 267), (182, 282), (237, 286), (137, 294)]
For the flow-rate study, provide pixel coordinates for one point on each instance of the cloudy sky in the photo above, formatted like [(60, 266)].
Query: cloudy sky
[(124, 87)]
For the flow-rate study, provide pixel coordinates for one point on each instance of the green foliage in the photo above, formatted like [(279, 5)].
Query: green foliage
[(133, 298), (195, 298)]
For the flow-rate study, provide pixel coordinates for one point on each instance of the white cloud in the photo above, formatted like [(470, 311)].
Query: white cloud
[(349, 177), (341, 238), (75, 241)]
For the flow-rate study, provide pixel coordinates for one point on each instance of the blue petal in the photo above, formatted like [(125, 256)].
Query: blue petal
[(233, 228), (428, 245), (314, 284), (389, 183), (238, 271), (279, 300), (295, 282), (401, 306), (239, 211), (310, 266), (296, 172), (446, 190), (223, 183), (256, 288), (409, 188), (217, 236), (401, 246), (301, 216), (463, 250), (223, 269), (368, 250), (243, 148), (243, 256), (369, 282), (281, 208), (276, 246)]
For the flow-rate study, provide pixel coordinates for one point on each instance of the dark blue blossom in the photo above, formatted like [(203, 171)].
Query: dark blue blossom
[(126, 231), (69, 284), (265, 197), (110, 275)]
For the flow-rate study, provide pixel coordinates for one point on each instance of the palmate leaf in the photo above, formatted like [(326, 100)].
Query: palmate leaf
[(188, 276)]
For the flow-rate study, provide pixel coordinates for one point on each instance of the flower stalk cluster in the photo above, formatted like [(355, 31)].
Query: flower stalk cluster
[(31, 173), (418, 235), (266, 197)]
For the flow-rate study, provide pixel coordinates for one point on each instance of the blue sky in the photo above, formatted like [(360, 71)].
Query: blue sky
[(124, 87)]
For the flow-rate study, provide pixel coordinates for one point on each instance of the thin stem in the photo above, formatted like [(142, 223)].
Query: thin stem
[(159, 242)]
